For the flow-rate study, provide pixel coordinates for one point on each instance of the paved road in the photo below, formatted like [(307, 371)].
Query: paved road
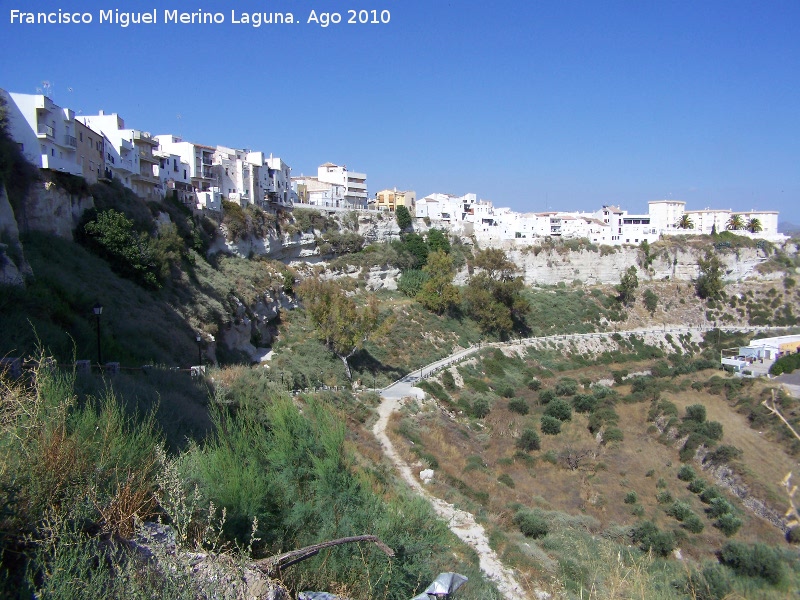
[(403, 387)]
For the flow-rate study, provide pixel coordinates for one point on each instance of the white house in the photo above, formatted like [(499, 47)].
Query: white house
[(174, 176), (199, 157), (134, 162), (44, 131), (312, 191), (666, 214), (280, 190), (354, 184)]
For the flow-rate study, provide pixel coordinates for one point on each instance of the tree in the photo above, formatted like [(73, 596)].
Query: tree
[(709, 282), (529, 440), (340, 323), (414, 245), (735, 223), (438, 240), (685, 222), (754, 225), (650, 301), (626, 290), (112, 235), (493, 296), (438, 294), (403, 217)]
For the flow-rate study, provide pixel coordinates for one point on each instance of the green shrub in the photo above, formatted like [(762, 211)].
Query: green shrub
[(696, 413), (631, 498), (709, 494), (679, 510), (712, 583), (480, 408), (550, 425), (584, 403), (613, 434), (506, 480), (664, 497), (693, 523), (648, 537), (507, 391), (696, 486), (686, 473), (757, 560), (528, 440), (718, 507), (534, 385), (546, 396), (518, 405), (531, 523), (411, 281), (559, 409), (728, 524), (793, 535), (566, 386), (448, 381), (724, 454)]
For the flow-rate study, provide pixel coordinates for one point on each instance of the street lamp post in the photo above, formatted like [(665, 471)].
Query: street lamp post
[(98, 310), (199, 339)]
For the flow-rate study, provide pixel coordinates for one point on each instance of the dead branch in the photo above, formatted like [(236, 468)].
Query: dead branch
[(273, 564), (774, 410)]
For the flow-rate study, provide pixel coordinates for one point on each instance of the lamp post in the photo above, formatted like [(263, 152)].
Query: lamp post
[(199, 339), (98, 310)]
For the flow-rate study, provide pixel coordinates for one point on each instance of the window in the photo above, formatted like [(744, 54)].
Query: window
[(80, 135)]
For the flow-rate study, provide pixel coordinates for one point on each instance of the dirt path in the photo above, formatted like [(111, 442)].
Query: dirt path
[(460, 522)]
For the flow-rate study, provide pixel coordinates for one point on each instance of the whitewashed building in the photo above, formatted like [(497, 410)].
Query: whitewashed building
[(44, 131), (199, 157), (354, 184), (174, 177), (280, 188)]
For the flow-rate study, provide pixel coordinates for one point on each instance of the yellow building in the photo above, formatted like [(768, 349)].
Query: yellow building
[(391, 199)]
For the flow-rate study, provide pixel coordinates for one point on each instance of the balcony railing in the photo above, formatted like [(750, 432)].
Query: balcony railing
[(46, 130), (71, 141)]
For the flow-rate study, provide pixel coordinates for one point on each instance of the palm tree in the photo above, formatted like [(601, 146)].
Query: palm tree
[(754, 225), (685, 222), (735, 223)]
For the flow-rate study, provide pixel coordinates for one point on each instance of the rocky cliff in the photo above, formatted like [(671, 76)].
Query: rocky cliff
[(13, 266)]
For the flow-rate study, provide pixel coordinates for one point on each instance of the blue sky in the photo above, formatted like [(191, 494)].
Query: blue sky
[(563, 104)]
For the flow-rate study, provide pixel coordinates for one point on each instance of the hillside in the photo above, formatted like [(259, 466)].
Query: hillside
[(297, 469)]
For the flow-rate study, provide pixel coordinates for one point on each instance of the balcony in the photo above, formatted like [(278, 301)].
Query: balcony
[(146, 156), (143, 136), (71, 141), (46, 130)]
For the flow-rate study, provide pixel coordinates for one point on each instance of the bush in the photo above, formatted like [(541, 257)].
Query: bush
[(793, 535), (584, 403), (696, 413), (559, 409), (448, 381), (480, 408), (709, 494), (757, 560), (718, 507), (546, 396), (631, 498), (696, 486), (686, 473), (534, 385), (664, 497), (648, 537), (550, 425), (411, 281), (613, 434), (529, 440), (728, 524), (518, 405), (723, 454), (566, 386), (403, 217), (506, 480), (713, 583), (531, 524), (693, 523), (680, 511)]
